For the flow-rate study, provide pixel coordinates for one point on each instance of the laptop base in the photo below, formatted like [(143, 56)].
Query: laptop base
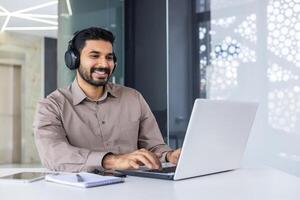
[(147, 175)]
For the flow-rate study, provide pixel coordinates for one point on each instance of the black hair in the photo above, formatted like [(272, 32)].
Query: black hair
[(92, 33)]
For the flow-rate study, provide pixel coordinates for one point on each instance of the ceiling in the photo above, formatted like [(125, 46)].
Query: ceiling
[(35, 17)]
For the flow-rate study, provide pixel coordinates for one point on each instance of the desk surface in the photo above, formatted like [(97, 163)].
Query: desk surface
[(242, 184)]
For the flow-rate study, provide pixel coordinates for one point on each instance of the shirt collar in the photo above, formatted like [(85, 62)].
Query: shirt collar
[(79, 95), (110, 88)]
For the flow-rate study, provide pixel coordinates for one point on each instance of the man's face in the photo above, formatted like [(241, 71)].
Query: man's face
[(96, 62)]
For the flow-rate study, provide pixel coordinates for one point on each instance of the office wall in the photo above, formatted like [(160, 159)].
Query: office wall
[(159, 61), (24, 51), (50, 63), (146, 61), (180, 55), (10, 113), (150, 52)]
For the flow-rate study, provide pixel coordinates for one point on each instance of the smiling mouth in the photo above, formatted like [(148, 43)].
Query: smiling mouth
[(100, 72)]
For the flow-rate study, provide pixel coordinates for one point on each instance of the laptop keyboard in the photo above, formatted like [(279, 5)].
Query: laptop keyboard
[(163, 170)]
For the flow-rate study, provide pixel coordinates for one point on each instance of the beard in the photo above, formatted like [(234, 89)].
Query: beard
[(87, 76)]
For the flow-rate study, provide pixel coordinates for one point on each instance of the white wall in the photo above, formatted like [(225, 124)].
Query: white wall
[(10, 114), (25, 51)]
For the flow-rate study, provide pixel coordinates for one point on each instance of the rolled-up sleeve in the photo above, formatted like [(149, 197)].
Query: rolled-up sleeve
[(55, 151), (150, 136)]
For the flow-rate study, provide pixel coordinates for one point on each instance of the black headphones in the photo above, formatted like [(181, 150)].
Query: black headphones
[(72, 56)]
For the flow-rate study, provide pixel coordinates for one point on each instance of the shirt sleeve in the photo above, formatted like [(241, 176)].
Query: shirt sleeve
[(150, 136), (55, 151)]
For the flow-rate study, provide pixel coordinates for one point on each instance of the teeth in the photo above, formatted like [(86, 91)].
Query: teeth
[(100, 72)]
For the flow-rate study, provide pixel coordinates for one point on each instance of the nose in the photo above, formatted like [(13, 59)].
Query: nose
[(103, 62)]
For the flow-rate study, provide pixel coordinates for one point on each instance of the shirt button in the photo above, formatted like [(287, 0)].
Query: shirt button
[(103, 122)]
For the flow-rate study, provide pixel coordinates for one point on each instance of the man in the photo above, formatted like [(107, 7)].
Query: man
[(95, 124)]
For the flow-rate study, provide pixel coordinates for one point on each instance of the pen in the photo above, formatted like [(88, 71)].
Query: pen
[(79, 178)]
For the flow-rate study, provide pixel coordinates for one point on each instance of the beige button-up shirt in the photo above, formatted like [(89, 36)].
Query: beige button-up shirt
[(73, 133)]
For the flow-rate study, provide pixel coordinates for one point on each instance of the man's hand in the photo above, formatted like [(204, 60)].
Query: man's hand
[(131, 160), (172, 156)]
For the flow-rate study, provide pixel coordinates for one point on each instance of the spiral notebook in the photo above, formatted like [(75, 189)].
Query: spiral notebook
[(83, 179)]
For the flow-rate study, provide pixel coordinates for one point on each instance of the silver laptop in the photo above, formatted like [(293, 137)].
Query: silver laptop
[(215, 140)]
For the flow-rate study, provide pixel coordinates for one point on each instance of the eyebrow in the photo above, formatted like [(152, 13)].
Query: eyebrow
[(94, 52), (97, 52)]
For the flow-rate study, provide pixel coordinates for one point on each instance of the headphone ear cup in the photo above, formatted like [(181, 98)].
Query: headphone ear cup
[(72, 60)]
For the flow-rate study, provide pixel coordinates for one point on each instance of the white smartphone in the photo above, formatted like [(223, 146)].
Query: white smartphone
[(23, 177)]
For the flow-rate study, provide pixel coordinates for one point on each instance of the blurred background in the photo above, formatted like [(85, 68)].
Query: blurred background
[(217, 49)]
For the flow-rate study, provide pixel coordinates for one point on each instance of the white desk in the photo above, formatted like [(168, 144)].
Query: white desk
[(242, 184)]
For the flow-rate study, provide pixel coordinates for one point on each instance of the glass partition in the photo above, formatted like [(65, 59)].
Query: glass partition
[(253, 55), (79, 14)]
